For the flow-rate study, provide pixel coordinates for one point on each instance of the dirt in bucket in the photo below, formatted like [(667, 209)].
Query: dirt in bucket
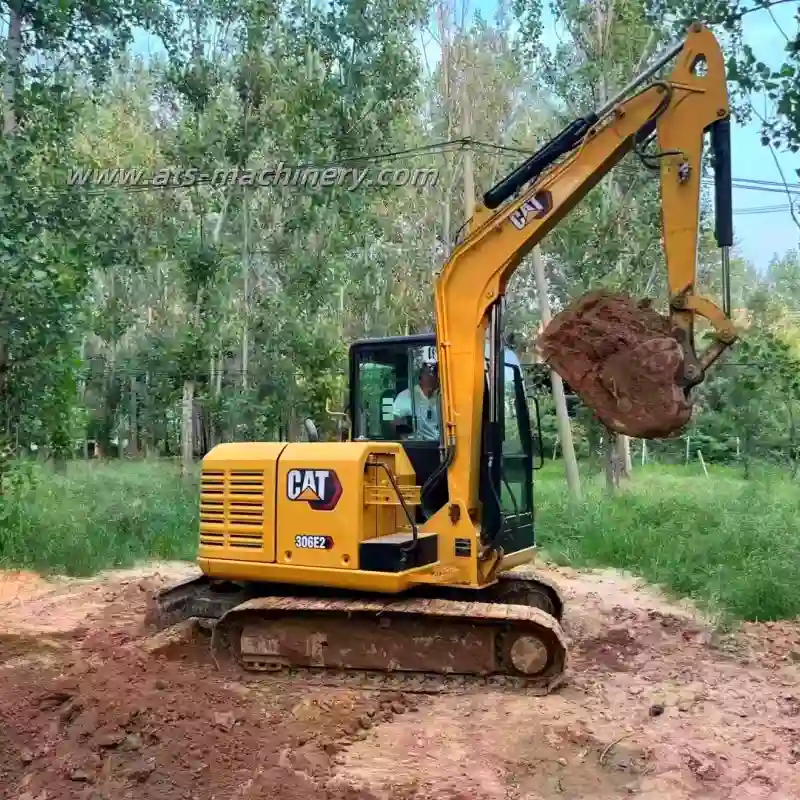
[(621, 358)]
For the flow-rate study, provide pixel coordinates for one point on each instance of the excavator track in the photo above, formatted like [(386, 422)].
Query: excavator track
[(506, 636), (407, 683)]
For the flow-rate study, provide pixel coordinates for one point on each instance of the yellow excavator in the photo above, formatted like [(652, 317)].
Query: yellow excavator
[(395, 553)]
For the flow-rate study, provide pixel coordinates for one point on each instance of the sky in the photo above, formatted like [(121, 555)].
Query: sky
[(762, 235), (758, 236)]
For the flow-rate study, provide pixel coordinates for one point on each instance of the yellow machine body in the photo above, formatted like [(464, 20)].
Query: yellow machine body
[(300, 513)]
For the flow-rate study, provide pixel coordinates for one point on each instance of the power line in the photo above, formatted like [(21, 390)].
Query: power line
[(777, 184), (439, 148), (143, 372), (435, 148), (743, 183), (756, 210)]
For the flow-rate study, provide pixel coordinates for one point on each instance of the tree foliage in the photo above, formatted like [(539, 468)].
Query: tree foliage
[(778, 83), (131, 314)]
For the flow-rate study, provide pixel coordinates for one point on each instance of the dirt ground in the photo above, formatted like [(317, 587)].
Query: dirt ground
[(656, 706)]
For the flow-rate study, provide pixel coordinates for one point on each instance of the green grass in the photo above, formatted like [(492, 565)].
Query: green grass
[(731, 545), (99, 516)]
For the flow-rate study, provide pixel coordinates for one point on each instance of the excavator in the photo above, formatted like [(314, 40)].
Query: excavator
[(395, 555)]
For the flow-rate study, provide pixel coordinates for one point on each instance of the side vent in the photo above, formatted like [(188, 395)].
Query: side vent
[(245, 522), (232, 509), (212, 508)]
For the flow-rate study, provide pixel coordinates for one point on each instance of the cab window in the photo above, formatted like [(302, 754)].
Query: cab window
[(389, 404), (516, 496)]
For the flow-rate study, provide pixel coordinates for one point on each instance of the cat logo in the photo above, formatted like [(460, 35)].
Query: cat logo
[(320, 488), (534, 207)]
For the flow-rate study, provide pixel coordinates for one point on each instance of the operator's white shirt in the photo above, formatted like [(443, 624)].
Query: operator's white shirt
[(426, 411)]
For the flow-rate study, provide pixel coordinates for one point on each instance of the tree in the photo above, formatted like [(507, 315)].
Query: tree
[(612, 237), (50, 237), (779, 84)]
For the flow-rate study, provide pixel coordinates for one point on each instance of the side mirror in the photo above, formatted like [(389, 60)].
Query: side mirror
[(311, 430)]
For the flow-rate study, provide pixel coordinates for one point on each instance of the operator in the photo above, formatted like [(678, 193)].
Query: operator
[(424, 407)]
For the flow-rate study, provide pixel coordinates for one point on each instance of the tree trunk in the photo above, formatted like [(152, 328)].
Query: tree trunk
[(187, 429), (559, 398), (613, 466), (624, 457), (13, 62), (444, 25), (133, 434), (793, 449), (469, 173), (6, 454), (148, 437), (246, 270)]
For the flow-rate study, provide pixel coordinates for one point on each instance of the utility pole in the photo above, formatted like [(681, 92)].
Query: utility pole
[(562, 418), (469, 174)]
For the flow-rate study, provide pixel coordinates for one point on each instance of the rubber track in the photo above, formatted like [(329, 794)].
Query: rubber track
[(408, 683), (480, 612)]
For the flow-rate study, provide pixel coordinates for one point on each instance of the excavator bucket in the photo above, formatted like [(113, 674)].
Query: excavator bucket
[(623, 360)]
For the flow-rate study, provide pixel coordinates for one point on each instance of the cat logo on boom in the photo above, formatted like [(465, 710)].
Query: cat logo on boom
[(534, 207), (320, 488)]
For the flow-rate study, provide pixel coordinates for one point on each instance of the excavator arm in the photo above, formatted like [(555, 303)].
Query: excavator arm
[(469, 290)]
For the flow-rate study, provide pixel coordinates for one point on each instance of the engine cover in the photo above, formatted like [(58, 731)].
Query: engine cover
[(305, 504)]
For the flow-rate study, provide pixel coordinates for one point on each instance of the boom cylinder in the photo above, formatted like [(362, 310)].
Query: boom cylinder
[(723, 202), (568, 138)]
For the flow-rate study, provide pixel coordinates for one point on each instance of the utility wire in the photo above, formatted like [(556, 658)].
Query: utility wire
[(128, 372), (435, 148), (439, 148)]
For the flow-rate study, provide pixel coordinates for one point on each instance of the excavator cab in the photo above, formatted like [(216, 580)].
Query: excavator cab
[(386, 372)]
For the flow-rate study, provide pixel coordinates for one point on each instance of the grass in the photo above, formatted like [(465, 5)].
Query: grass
[(731, 545), (99, 516)]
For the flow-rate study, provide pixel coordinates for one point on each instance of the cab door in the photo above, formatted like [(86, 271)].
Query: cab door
[(516, 488)]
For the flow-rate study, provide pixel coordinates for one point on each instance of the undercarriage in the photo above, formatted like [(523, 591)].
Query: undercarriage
[(431, 639)]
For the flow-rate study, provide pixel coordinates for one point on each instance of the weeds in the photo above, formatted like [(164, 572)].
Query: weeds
[(97, 516)]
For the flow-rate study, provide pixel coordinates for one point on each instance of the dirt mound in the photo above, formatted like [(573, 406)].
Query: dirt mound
[(622, 360), (653, 708), (124, 728), (111, 715)]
